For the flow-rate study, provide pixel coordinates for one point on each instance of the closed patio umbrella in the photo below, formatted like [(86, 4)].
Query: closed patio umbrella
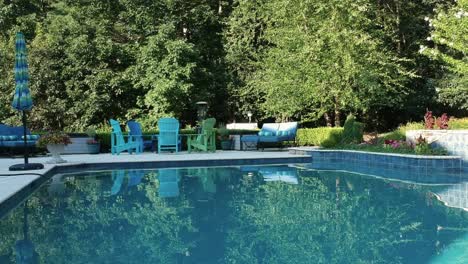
[(22, 100)]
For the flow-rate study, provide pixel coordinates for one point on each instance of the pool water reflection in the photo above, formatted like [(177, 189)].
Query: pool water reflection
[(251, 214)]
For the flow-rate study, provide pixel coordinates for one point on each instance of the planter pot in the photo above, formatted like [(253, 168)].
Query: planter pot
[(79, 145), (55, 150), (226, 144), (93, 148)]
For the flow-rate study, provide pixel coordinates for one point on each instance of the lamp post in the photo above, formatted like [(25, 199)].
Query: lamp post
[(202, 109), (249, 114)]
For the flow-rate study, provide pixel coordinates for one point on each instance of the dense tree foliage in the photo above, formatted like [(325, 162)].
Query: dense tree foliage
[(308, 60), (450, 45)]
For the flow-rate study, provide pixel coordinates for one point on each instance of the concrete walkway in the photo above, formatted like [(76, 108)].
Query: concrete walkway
[(9, 185)]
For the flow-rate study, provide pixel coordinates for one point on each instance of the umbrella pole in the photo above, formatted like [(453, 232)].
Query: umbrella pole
[(25, 138)]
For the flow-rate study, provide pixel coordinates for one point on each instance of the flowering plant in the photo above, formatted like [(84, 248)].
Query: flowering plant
[(397, 144), (442, 121), (429, 120), (54, 137)]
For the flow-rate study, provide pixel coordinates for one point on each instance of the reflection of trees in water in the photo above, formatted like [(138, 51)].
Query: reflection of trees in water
[(224, 215), (88, 225), (330, 218)]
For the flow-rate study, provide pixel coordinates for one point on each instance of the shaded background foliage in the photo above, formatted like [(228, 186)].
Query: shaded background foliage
[(309, 60)]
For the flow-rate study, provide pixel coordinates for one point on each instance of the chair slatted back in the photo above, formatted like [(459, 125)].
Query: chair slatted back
[(118, 138), (168, 131)]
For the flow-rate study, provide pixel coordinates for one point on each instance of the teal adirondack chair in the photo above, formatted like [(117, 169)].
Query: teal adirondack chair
[(118, 143), (206, 140), (168, 138)]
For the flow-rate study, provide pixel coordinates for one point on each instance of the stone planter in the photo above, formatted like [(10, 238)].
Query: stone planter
[(79, 145), (56, 150), (93, 148)]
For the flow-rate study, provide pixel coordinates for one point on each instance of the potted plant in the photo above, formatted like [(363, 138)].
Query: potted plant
[(92, 143), (55, 142), (223, 135)]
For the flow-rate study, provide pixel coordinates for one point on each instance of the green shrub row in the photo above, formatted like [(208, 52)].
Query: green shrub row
[(459, 123), (320, 136)]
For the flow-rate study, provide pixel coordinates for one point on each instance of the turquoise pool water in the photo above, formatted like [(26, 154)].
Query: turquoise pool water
[(252, 214)]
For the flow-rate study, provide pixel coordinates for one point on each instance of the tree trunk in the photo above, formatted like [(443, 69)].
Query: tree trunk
[(328, 119), (337, 114)]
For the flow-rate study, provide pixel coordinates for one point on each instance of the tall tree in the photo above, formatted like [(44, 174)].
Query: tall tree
[(449, 44), (321, 60)]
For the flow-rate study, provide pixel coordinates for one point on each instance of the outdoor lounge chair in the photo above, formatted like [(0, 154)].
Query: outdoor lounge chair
[(206, 140), (168, 138), (137, 134), (273, 133), (118, 143), (12, 138)]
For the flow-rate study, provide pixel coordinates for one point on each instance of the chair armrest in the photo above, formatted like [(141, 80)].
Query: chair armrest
[(191, 135)]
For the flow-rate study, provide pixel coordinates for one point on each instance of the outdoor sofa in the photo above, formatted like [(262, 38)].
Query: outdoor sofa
[(272, 133)]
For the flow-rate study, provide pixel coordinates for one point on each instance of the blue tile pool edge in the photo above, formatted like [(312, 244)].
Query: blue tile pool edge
[(440, 163), (16, 199)]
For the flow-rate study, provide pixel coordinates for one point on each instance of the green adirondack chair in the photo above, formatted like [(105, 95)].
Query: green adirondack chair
[(206, 140), (118, 143)]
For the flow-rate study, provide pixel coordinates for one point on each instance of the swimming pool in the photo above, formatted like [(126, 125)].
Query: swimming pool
[(244, 214)]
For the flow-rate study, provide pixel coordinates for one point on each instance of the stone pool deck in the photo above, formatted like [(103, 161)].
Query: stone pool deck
[(10, 185)]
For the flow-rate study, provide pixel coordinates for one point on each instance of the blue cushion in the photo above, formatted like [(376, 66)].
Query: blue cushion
[(31, 137), (268, 133), (261, 133), (17, 143), (9, 138)]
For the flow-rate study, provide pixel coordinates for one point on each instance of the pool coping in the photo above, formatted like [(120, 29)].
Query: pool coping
[(16, 198)]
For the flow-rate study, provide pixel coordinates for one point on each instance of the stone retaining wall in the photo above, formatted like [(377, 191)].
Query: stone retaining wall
[(454, 141)]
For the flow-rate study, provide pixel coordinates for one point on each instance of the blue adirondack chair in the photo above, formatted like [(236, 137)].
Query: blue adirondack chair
[(168, 138), (168, 182), (118, 143), (135, 177), (117, 179), (137, 134)]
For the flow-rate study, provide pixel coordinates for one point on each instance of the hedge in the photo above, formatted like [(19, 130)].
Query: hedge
[(320, 136)]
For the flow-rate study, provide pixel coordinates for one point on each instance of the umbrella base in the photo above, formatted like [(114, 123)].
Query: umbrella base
[(28, 166)]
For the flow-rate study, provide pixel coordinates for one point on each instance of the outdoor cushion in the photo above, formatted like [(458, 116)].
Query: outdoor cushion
[(31, 137), (16, 143), (266, 133), (282, 133), (9, 138)]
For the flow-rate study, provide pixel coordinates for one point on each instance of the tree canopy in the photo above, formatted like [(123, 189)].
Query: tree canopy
[(314, 61)]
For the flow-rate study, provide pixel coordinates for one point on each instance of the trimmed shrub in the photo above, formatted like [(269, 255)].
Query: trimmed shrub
[(458, 123), (320, 136), (400, 132), (353, 131)]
